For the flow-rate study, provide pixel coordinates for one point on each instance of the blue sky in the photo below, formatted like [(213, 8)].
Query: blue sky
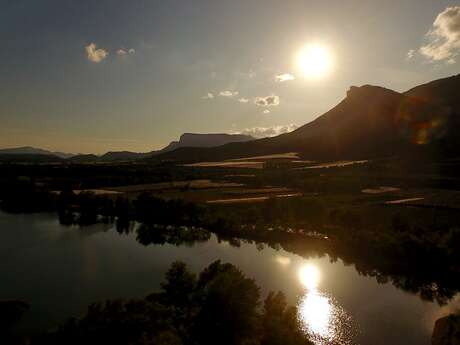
[(153, 63)]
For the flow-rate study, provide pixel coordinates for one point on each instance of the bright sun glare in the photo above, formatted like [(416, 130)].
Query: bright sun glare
[(315, 61), (309, 276)]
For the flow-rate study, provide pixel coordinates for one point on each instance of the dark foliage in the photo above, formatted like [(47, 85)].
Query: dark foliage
[(220, 307)]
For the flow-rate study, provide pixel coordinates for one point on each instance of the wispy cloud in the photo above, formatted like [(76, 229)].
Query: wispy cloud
[(444, 37), (263, 132), (228, 93), (95, 54), (267, 101), (209, 95), (284, 77), (243, 100)]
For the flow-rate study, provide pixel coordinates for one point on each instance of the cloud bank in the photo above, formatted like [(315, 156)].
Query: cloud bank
[(444, 37), (267, 101), (95, 54)]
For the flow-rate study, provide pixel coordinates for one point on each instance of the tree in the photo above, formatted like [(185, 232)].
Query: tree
[(228, 301), (179, 285)]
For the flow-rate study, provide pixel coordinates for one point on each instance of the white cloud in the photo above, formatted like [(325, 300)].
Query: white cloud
[(267, 101), (243, 100), (284, 77), (94, 54), (444, 37), (209, 95), (124, 52), (410, 54), (228, 93), (266, 111), (263, 132)]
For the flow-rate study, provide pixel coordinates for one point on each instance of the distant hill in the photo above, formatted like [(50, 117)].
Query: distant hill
[(33, 151), (370, 121), (122, 156), (205, 140), (185, 140)]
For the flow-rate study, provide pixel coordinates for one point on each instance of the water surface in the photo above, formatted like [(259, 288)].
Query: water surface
[(60, 270)]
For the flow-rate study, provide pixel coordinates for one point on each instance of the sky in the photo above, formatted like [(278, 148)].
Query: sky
[(94, 76)]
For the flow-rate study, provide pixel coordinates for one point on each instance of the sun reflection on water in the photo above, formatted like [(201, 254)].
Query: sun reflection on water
[(319, 314), (309, 276)]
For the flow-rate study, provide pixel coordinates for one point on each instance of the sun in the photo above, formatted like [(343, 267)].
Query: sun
[(315, 61)]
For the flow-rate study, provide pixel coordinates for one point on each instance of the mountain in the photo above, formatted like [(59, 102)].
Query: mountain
[(371, 121), (28, 150), (205, 140), (441, 123), (446, 90)]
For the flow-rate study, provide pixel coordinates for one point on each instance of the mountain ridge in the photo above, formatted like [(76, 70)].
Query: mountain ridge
[(205, 140), (30, 150), (370, 121)]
